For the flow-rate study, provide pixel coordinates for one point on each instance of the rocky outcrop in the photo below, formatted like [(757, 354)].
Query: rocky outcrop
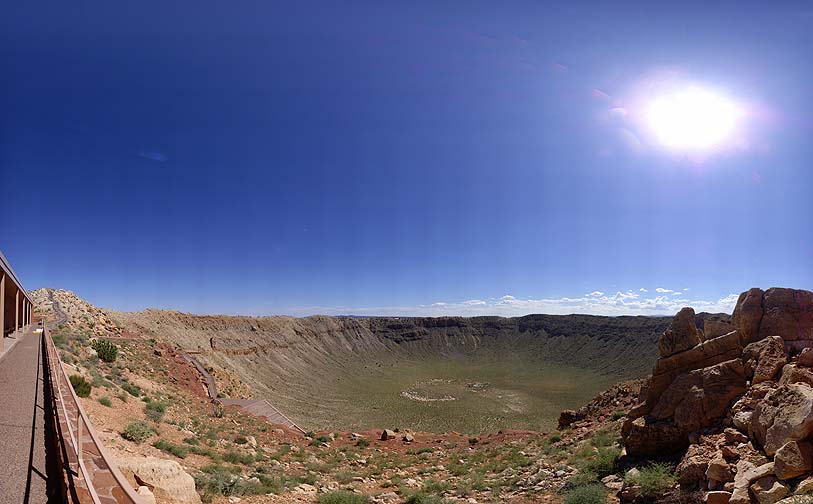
[(165, 479), (737, 396)]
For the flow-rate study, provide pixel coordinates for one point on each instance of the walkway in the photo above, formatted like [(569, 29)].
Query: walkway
[(23, 434)]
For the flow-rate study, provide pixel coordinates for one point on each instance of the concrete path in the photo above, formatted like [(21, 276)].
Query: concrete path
[(29, 474)]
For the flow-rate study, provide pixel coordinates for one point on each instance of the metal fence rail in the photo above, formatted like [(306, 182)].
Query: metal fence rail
[(92, 476)]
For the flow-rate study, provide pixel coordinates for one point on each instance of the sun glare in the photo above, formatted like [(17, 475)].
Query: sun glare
[(692, 119)]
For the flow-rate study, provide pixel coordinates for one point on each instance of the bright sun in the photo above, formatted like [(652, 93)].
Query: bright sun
[(692, 119)]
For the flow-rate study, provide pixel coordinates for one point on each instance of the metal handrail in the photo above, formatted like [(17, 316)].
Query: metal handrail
[(83, 425)]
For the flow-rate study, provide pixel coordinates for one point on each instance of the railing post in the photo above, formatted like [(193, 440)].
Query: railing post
[(79, 438)]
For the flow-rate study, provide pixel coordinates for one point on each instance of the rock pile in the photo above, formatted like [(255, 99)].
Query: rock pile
[(736, 398)]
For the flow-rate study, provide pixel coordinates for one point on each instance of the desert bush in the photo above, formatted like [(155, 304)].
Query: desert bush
[(423, 498), (155, 410), (588, 494), (235, 457), (362, 443), (603, 462), (555, 438), (80, 386), (240, 440), (137, 431), (131, 389), (191, 441), (435, 487), (172, 449), (105, 401), (654, 479), (106, 350), (60, 340), (343, 497), (618, 415)]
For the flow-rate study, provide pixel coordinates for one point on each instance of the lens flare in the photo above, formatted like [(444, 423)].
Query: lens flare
[(692, 119)]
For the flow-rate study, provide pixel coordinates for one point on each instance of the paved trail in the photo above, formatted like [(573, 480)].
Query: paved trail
[(29, 474)]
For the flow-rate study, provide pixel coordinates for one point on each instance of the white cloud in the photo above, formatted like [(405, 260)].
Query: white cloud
[(596, 293), (663, 291), (620, 303), (643, 290)]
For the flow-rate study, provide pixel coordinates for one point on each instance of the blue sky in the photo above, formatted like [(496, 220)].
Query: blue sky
[(402, 157)]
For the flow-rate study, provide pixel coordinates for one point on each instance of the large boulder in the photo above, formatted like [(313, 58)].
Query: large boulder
[(747, 314), (793, 373), (765, 358), (682, 334), (643, 437), (788, 313), (793, 459), (165, 478), (746, 474), (769, 490), (784, 414), (701, 397)]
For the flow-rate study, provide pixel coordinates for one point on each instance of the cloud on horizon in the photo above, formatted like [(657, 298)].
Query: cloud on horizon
[(594, 303)]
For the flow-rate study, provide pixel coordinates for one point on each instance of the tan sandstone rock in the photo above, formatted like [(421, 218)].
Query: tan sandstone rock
[(806, 357), (765, 358), (784, 414), (769, 490), (746, 474), (793, 459), (388, 434), (794, 373), (166, 478), (788, 313), (747, 314), (719, 469), (682, 334), (146, 495)]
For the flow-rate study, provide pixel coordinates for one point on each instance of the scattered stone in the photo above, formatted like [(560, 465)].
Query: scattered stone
[(719, 470), (388, 434), (408, 437)]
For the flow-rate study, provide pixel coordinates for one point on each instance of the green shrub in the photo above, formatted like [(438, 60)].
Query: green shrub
[(655, 479), (435, 486), (589, 494), (60, 340), (240, 440), (80, 386), (105, 401), (191, 441), (618, 415), (422, 498), (155, 410), (131, 389), (106, 350), (235, 457), (362, 443), (555, 438), (172, 449), (603, 463), (137, 431), (342, 497)]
